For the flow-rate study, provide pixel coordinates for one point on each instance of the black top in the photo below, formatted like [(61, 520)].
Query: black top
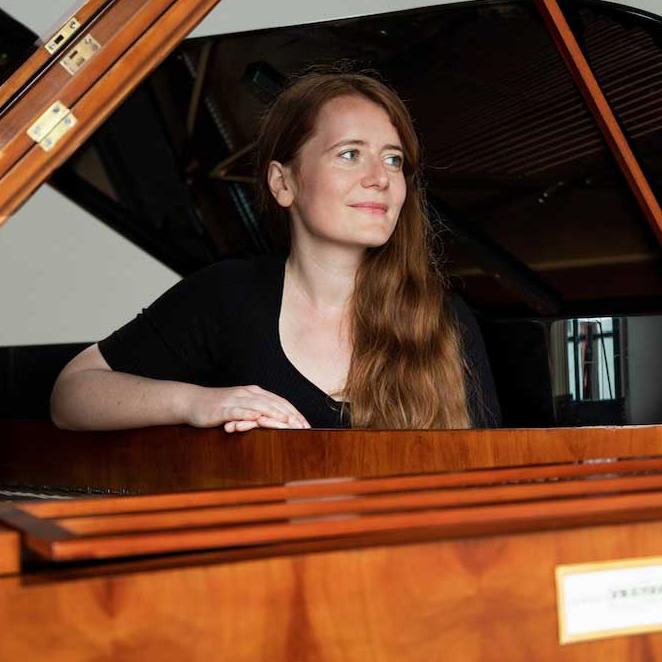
[(219, 327)]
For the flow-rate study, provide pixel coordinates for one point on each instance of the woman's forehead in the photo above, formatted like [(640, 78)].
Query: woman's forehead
[(354, 118)]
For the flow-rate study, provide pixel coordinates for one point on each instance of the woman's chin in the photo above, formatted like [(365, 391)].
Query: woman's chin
[(371, 239), (376, 239)]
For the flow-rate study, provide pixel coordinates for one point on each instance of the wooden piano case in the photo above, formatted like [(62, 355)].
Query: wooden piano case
[(37, 457), (82, 19), (455, 565), (55, 101)]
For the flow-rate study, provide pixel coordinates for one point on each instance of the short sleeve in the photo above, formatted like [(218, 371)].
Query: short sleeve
[(481, 390), (185, 334)]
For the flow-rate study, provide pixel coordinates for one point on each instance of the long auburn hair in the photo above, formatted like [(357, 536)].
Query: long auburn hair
[(407, 368)]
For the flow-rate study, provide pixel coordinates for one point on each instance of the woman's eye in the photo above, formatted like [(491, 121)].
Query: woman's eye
[(395, 161), (349, 154)]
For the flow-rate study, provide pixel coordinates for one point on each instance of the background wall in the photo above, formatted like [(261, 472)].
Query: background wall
[(66, 277), (240, 15), (43, 16)]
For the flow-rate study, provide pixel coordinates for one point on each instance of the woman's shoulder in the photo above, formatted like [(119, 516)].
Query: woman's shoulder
[(239, 268), (233, 276)]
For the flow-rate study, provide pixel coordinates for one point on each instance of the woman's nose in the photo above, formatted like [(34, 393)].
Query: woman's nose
[(375, 174)]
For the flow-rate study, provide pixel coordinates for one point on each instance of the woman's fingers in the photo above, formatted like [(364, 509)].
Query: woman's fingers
[(240, 426), (209, 407), (289, 413), (242, 413), (272, 407), (264, 405), (262, 421), (268, 422), (283, 405)]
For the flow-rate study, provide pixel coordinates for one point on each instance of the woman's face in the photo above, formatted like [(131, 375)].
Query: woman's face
[(346, 184)]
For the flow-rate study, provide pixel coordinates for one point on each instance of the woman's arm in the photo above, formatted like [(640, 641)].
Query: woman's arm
[(89, 395)]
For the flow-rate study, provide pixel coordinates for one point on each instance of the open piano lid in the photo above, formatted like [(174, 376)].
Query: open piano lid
[(52, 103)]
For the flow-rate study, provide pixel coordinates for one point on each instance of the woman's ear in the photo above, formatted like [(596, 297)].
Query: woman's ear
[(281, 185)]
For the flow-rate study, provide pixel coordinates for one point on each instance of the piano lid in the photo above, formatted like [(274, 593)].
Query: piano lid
[(528, 201), (55, 100)]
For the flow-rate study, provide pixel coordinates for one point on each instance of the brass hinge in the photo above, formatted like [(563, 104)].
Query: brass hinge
[(64, 34), (52, 125), (80, 54)]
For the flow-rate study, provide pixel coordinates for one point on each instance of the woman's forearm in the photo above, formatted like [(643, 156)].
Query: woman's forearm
[(109, 400)]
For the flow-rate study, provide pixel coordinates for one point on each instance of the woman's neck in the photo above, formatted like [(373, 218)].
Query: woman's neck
[(324, 282)]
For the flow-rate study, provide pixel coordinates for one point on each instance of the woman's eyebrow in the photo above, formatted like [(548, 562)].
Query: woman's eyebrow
[(342, 143)]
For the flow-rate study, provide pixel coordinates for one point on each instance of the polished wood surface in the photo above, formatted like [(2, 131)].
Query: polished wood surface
[(604, 116), (115, 32), (450, 505), (37, 456), (486, 598), (146, 51), (625, 471), (9, 551), (453, 565), (40, 58)]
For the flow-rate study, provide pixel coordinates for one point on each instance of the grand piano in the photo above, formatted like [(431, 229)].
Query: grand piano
[(542, 131)]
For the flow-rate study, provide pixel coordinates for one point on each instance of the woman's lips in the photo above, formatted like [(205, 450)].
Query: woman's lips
[(371, 207)]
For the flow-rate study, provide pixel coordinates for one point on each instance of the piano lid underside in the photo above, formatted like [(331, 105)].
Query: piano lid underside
[(538, 215)]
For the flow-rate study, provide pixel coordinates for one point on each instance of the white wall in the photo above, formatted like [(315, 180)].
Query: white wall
[(66, 277), (240, 15), (42, 16)]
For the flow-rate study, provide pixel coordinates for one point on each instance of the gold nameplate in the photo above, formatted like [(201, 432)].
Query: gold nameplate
[(61, 38), (600, 600), (80, 54), (52, 125)]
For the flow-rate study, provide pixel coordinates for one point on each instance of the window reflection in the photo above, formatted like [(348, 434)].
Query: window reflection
[(593, 363), (607, 370)]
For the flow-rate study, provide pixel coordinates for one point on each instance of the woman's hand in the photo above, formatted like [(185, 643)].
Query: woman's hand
[(241, 408), (262, 422)]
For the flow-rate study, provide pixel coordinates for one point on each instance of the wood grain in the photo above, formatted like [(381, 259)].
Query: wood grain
[(447, 523), (40, 58), (122, 522), (37, 455), (590, 89), (9, 551), (463, 504), (115, 32), (481, 599), (315, 489), (101, 99)]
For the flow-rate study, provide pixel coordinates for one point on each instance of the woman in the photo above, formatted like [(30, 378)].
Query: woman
[(354, 318)]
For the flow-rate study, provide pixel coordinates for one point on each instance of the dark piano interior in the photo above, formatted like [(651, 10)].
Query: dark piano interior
[(535, 223)]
